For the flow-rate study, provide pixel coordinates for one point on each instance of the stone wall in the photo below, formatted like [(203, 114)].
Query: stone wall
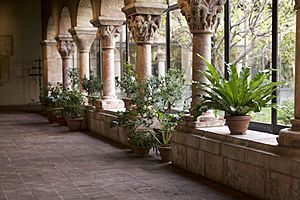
[(21, 23), (252, 163), (99, 123)]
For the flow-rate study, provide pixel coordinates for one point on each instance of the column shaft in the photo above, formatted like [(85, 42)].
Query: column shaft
[(201, 46), (84, 63), (108, 68), (66, 65), (297, 68), (143, 61), (45, 64)]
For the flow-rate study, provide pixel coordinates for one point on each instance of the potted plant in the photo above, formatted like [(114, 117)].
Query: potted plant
[(48, 98), (238, 96), (165, 100), (129, 85), (92, 87), (72, 102), (141, 117), (142, 141), (73, 108)]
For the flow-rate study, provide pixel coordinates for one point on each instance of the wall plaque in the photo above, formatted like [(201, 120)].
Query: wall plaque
[(6, 45)]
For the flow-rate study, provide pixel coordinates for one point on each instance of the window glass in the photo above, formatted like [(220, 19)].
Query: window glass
[(286, 60), (251, 40)]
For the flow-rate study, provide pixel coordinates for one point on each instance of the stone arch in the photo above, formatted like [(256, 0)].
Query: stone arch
[(65, 21), (84, 13), (51, 29)]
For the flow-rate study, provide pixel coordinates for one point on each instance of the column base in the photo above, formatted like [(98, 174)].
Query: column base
[(205, 120), (290, 137), (110, 104)]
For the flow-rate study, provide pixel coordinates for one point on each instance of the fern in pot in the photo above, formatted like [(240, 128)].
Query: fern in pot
[(238, 96)]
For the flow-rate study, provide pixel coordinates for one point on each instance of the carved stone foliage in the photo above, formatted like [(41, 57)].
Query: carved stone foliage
[(201, 15), (297, 4), (108, 34), (143, 27), (65, 48)]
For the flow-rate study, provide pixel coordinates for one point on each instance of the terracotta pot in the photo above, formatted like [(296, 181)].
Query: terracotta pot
[(51, 117), (165, 154), (141, 151), (75, 124), (238, 125), (61, 120), (128, 104)]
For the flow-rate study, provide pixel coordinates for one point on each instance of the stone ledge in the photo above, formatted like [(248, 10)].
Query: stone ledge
[(252, 163)]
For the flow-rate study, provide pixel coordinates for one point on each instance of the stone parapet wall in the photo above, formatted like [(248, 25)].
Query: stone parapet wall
[(99, 123), (253, 163)]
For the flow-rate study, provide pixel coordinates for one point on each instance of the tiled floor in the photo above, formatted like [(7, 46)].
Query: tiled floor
[(46, 162)]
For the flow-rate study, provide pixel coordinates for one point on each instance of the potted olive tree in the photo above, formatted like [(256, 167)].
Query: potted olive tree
[(72, 102), (168, 93), (238, 96), (129, 85), (73, 108), (48, 98), (92, 86), (137, 120), (142, 141)]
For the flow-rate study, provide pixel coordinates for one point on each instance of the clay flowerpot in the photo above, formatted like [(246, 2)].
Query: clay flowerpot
[(51, 117), (141, 151), (165, 154), (238, 125), (128, 104), (75, 124), (61, 120)]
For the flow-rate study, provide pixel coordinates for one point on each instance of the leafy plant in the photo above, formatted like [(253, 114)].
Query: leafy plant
[(143, 138), (74, 78), (285, 112), (92, 87), (72, 102), (128, 83), (49, 96), (168, 92), (239, 95)]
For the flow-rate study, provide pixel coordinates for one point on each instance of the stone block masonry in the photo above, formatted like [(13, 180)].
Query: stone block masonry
[(253, 163)]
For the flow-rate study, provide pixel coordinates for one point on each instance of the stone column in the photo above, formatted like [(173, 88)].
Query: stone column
[(108, 34), (84, 38), (291, 136), (161, 64), (65, 47), (143, 20), (51, 72), (201, 16)]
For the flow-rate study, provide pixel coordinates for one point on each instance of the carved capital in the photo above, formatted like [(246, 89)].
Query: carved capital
[(108, 34), (201, 15), (143, 27), (83, 37), (65, 46), (297, 4)]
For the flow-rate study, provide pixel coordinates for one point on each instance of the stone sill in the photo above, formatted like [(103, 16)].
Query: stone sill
[(253, 139)]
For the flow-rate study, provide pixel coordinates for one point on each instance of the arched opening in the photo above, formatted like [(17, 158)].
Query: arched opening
[(65, 21), (51, 33), (85, 13)]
